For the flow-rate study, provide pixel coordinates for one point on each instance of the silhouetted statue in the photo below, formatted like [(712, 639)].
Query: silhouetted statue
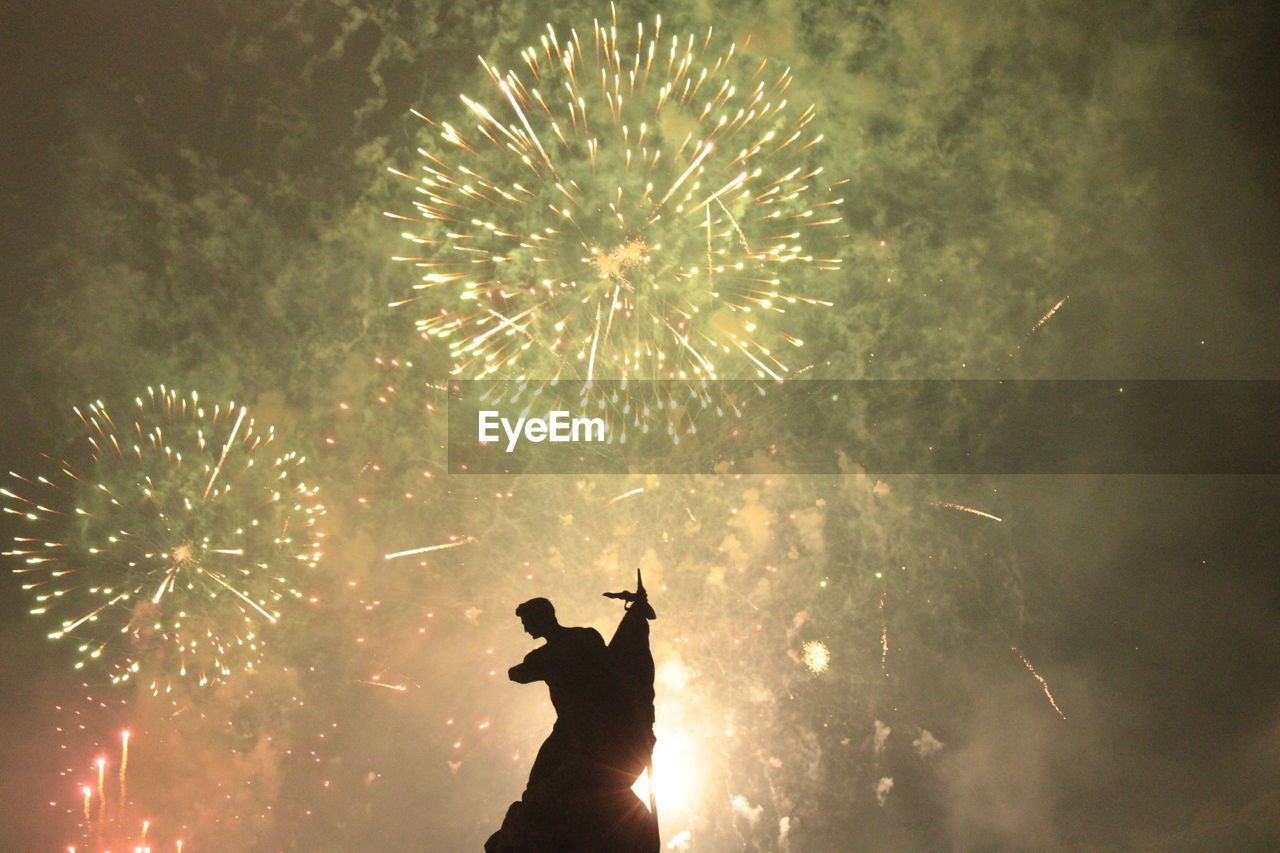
[(579, 797)]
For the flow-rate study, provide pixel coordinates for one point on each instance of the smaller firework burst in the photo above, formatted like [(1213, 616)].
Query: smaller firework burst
[(817, 656), (176, 541)]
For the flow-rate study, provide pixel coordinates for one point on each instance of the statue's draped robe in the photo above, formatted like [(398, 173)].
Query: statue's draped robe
[(579, 797)]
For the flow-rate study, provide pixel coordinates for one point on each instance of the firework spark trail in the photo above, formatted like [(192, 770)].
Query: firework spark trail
[(1043, 684), (427, 548), (1039, 323), (884, 638), (124, 766), (158, 553), (617, 498), (102, 785), (1050, 313), (633, 217), (398, 688), (218, 579), (968, 509), (121, 827), (223, 456)]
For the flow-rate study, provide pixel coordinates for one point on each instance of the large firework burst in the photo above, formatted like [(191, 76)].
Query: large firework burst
[(627, 207), (182, 536)]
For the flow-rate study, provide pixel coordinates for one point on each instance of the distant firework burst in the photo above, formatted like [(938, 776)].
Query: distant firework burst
[(816, 656), (182, 536), (626, 206)]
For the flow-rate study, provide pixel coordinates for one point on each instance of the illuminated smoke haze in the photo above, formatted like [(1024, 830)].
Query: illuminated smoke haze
[(845, 661)]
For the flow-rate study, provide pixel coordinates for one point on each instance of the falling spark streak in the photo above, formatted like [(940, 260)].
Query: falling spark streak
[(506, 90), (614, 500), (968, 509), (124, 766), (697, 161), (1044, 685), (884, 639), (223, 457), (102, 784), (398, 688), (270, 617), (1051, 312), (1036, 327), (427, 548), (595, 340)]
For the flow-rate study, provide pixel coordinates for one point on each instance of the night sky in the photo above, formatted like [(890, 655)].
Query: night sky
[(193, 196)]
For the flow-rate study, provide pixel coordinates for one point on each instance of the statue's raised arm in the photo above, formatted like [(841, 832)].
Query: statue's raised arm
[(640, 596)]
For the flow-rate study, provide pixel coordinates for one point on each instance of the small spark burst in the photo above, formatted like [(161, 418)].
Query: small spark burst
[(628, 206), (1044, 685), (179, 537), (817, 656)]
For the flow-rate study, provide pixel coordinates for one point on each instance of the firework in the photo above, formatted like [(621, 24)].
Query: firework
[(391, 430), (628, 205), (962, 508), (1054, 310), (783, 597), (816, 656), (412, 552), (124, 765), (116, 825), (179, 539), (1044, 685)]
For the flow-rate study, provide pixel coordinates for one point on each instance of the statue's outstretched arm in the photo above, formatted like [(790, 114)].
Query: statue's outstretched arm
[(522, 673), (532, 668)]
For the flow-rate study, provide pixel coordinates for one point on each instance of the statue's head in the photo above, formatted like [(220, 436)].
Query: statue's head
[(538, 616)]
